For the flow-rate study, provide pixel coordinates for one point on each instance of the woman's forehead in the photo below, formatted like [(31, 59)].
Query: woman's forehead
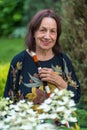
[(48, 21)]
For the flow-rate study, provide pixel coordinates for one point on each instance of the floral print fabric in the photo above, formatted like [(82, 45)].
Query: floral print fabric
[(23, 80)]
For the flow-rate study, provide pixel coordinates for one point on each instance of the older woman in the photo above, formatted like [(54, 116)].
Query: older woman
[(42, 63)]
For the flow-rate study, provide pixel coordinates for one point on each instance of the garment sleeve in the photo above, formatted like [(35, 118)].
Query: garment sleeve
[(76, 90), (9, 82), (12, 82)]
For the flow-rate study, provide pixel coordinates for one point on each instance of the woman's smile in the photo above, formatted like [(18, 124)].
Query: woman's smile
[(45, 42)]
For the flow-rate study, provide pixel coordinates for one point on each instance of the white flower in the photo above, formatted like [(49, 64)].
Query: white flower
[(18, 121), (48, 101), (21, 116), (71, 103), (53, 115), (52, 95), (30, 111), (10, 119), (67, 112), (3, 113), (65, 122), (65, 99), (61, 103), (26, 127), (5, 127), (46, 126), (73, 119), (15, 107), (54, 103), (45, 107), (71, 93), (60, 109), (56, 90), (43, 116), (1, 124), (61, 92), (30, 103)]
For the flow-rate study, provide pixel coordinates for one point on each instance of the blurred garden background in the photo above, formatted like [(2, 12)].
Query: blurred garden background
[(14, 16)]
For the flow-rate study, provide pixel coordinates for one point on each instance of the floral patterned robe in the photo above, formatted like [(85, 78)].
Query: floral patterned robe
[(23, 80)]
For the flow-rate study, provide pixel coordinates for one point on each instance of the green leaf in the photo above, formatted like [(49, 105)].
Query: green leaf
[(30, 85), (65, 68), (17, 17), (57, 70), (34, 78)]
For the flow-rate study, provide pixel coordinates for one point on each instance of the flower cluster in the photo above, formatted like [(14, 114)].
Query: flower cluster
[(56, 111), (59, 105)]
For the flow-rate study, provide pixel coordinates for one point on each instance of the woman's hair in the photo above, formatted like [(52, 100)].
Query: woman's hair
[(34, 26)]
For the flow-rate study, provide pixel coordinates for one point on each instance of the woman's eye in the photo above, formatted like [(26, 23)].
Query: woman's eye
[(53, 31), (42, 30)]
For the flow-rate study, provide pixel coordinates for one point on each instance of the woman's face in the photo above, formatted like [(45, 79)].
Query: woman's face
[(46, 34)]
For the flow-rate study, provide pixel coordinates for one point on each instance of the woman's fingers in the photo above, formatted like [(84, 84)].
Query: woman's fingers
[(47, 74)]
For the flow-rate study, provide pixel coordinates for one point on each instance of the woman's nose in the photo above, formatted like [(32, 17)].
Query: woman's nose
[(47, 35)]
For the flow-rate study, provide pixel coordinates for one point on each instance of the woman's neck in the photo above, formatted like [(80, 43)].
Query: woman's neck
[(44, 55)]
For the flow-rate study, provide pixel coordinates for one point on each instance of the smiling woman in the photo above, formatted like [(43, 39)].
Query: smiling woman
[(45, 37), (24, 79)]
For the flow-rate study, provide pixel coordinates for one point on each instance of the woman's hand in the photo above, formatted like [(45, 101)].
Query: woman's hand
[(47, 74)]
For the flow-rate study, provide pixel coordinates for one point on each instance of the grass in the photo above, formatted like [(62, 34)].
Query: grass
[(9, 48), (83, 128)]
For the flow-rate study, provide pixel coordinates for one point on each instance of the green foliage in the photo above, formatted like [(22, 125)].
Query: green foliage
[(74, 38), (3, 75), (10, 16), (82, 118), (9, 48), (16, 14), (30, 7), (19, 32)]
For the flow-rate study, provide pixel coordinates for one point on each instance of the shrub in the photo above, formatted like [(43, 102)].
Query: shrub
[(3, 75), (16, 14), (74, 38)]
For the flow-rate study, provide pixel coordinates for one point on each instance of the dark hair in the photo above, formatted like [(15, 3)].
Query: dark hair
[(34, 25)]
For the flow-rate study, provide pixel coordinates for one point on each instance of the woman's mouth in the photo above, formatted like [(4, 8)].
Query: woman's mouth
[(45, 43)]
